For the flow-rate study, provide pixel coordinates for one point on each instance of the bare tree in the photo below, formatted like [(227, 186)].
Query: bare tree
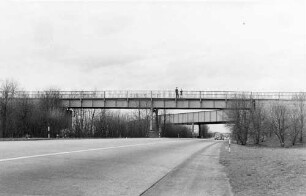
[(7, 92), (24, 110), (100, 124), (91, 122), (239, 117), (301, 111), (258, 122), (294, 128), (140, 121), (279, 121), (78, 123), (51, 114)]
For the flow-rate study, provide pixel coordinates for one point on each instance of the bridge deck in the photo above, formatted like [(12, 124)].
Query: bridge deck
[(153, 99), (202, 117), (163, 94), (142, 103)]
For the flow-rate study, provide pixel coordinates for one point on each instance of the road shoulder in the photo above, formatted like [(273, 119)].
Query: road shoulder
[(201, 174)]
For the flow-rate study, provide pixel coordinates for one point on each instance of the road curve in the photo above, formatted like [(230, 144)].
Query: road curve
[(112, 167)]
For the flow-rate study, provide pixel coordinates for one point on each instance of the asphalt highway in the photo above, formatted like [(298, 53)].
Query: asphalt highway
[(112, 167)]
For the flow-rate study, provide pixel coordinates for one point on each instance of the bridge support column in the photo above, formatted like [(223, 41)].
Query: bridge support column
[(200, 132), (151, 131), (151, 120), (156, 122), (154, 127), (192, 129), (69, 119)]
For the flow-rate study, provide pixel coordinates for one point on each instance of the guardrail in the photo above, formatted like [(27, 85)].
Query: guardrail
[(159, 94)]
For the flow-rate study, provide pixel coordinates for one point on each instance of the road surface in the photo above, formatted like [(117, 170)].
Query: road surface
[(112, 167)]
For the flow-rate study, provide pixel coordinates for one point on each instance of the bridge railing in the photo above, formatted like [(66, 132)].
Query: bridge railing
[(159, 94)]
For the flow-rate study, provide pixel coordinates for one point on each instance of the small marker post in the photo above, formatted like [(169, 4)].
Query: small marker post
[(229, 145), (48, 132)]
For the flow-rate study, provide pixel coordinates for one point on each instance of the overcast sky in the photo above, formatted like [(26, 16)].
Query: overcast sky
[(256, 45)]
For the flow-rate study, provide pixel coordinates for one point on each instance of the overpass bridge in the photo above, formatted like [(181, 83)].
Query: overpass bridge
[(155, 100), (196, 118), (202, 117)]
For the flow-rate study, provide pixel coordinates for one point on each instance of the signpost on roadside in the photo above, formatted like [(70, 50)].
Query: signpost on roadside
[(48, 132), (229, 144)]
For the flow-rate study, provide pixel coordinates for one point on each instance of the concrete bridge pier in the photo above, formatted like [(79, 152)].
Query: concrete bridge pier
[(157, 130), (154, 127), (151, 120), (200, 131), (68, 116), (192, 129)]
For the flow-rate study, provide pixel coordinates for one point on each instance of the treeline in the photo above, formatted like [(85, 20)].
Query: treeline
[(253, 121), (100, 123), (23, 116), (170, 130)]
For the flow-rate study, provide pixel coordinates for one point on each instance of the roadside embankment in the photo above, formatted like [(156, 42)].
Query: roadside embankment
[(23, 139), (254, 170)]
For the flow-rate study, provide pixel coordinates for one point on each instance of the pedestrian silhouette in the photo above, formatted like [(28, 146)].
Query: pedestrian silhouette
[(181, 92), (176, 93)]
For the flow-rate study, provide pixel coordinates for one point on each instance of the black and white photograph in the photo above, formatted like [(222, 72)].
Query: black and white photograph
[(152, 97)]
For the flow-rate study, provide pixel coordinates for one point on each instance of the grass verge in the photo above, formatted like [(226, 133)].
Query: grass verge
[(254, 170), (23, 139)]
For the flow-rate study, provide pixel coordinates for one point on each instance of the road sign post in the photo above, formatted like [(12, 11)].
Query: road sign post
[(229, 145), (49, 132)]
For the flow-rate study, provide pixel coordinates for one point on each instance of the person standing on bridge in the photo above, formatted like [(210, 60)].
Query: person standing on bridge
[(176, 93), (181, 93)]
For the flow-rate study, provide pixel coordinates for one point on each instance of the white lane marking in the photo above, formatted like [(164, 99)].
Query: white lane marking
[(77, 151)]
